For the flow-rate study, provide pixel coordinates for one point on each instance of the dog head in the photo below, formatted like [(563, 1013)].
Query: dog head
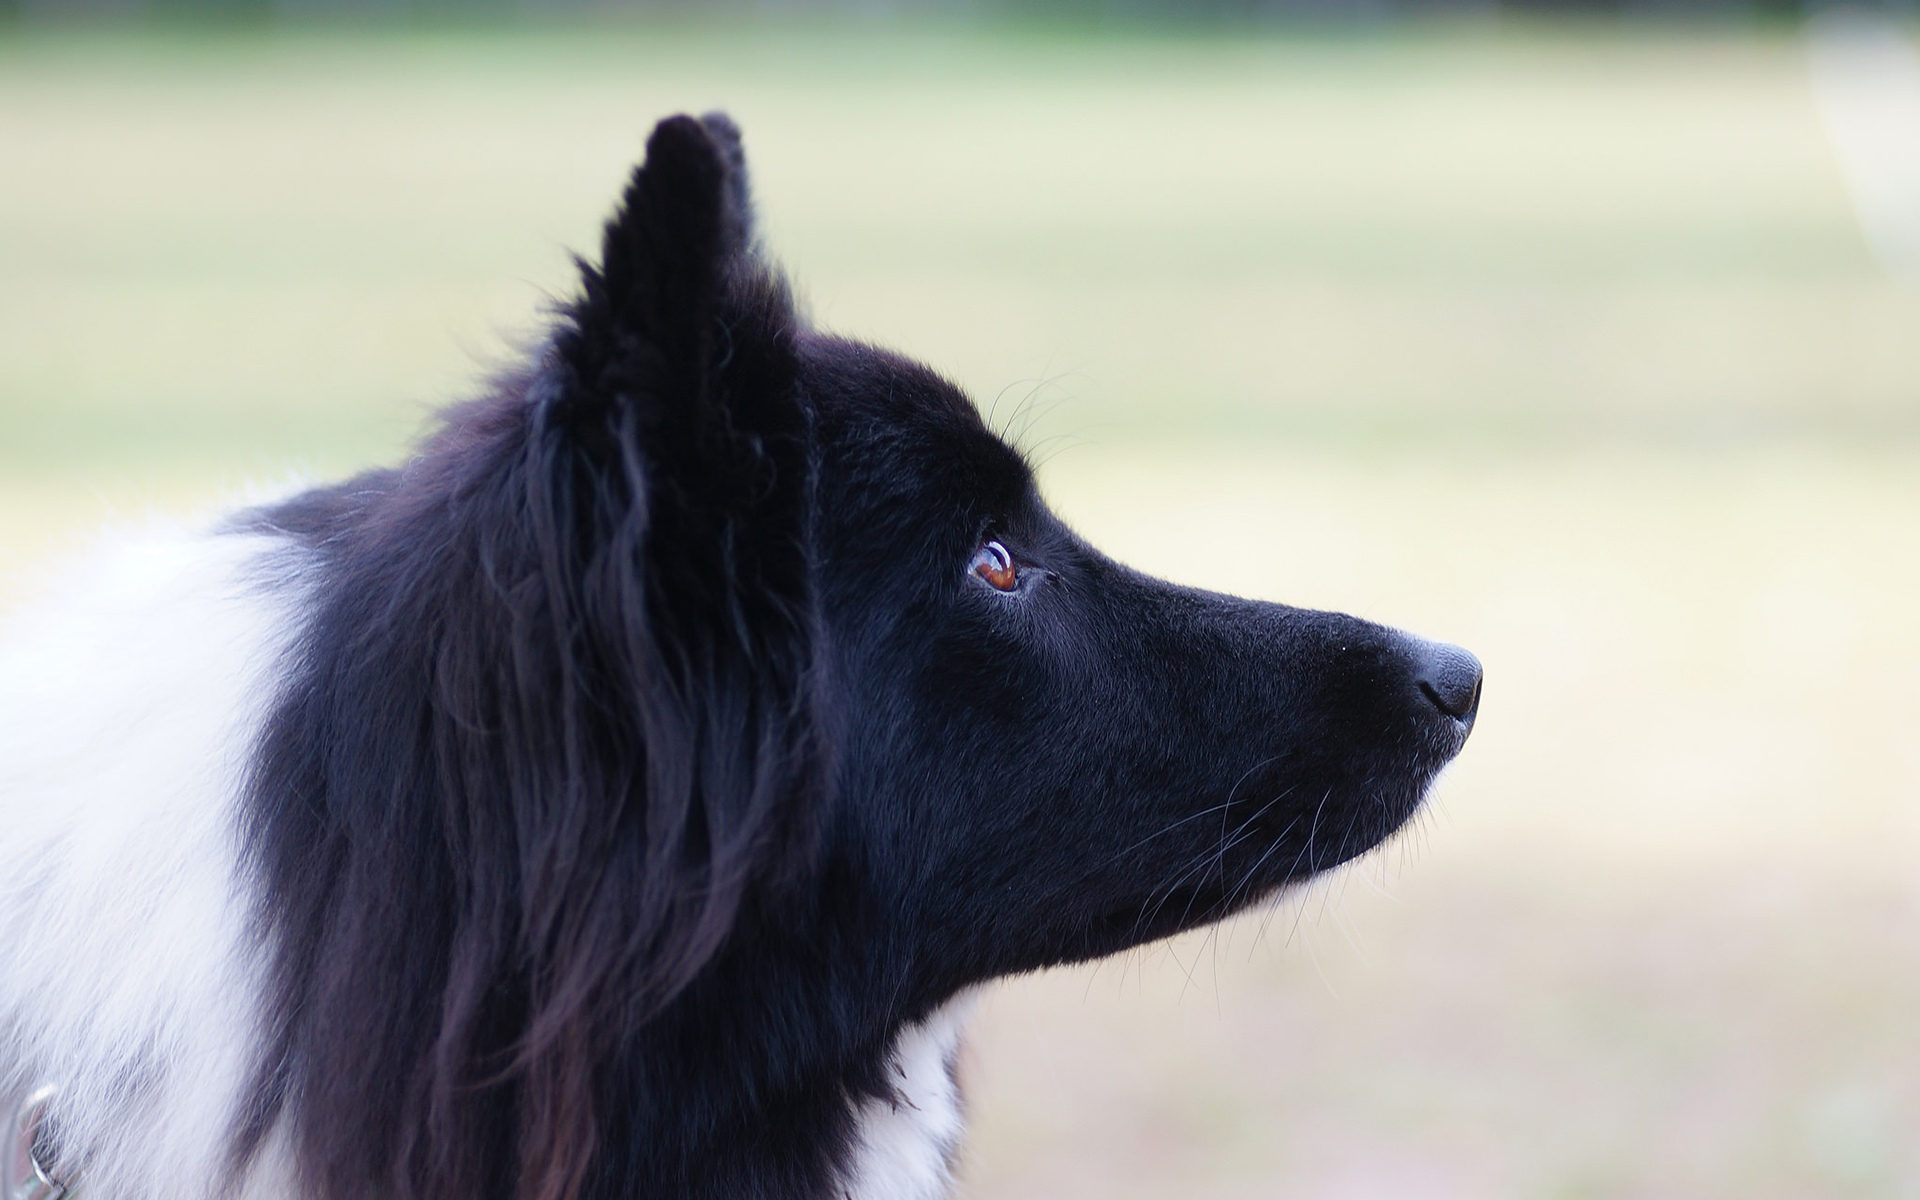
[(721, 696), (1036, 754)]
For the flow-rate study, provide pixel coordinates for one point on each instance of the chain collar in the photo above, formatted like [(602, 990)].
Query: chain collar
[(29, 1177)]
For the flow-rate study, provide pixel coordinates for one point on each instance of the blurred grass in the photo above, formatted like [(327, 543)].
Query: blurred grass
[(1557, 343)]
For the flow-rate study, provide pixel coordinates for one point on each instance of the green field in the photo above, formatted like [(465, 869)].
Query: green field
[(1562, 344)]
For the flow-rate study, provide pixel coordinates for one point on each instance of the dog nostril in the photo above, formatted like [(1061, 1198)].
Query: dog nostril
[(1450, 678)]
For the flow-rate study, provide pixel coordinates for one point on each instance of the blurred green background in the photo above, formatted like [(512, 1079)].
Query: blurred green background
[(1559, 338)]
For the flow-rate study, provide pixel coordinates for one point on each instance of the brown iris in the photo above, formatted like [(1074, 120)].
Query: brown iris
[(992, 563)]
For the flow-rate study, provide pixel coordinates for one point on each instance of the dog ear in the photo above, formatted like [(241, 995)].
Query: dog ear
[(554, 727), (678, 307), (673, 525), (675, 378), (680, 453)]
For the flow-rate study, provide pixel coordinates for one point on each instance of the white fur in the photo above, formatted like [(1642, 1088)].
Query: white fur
[(906, 1149), (128, 697)]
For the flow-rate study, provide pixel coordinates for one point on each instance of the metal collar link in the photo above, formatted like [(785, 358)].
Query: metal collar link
[(29, 1177)]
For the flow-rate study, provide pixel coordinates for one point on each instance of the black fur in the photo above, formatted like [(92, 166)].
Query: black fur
[(651, 757)]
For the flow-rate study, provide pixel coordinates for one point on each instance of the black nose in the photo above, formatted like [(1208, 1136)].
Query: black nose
[(1449, 677)]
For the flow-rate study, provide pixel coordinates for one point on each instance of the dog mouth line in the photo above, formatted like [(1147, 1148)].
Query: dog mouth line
[(1210, 890)]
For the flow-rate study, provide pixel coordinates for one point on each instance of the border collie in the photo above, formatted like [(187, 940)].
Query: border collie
[(620, 798)]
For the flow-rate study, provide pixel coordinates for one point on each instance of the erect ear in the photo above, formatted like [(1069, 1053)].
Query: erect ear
[(668, 647), (679, 329), (680, 466)]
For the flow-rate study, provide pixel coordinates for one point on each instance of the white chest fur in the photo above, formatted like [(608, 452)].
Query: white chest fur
[(906, 1148)]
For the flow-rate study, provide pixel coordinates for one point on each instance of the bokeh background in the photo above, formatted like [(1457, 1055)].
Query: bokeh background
[(1588, 338)]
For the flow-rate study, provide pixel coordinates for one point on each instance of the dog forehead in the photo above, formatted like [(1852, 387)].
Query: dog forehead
[(855, 381), (882, 413)]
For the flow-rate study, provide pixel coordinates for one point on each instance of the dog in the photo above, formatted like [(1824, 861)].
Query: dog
[(623, 796)]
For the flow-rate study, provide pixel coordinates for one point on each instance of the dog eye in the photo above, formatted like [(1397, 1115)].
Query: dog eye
[(992, 563)]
